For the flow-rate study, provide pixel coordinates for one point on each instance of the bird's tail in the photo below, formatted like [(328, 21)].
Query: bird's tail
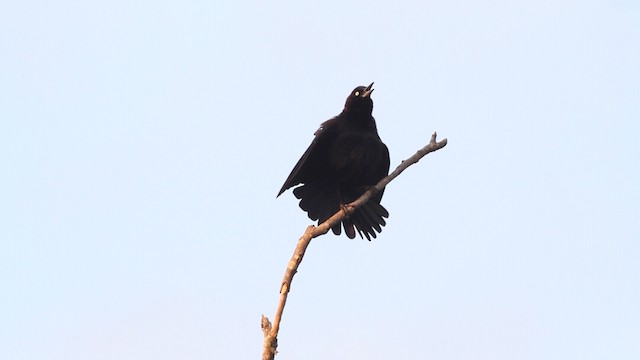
[(367, 219), (321, 203)]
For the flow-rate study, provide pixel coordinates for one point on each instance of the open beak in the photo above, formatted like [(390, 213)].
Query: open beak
[(367, 91)]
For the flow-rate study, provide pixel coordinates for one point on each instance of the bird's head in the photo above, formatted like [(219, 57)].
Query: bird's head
[(360, 99)]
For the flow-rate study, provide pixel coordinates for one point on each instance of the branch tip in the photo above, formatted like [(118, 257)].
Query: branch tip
[(265, 324)]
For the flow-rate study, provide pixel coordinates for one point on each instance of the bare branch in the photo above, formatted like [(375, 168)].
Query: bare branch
[(271, 331)]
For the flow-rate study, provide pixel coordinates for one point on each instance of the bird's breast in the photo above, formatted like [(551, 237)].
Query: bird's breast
[(351, 156)]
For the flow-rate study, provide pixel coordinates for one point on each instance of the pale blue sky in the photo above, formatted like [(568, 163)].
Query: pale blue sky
[(143, 144)]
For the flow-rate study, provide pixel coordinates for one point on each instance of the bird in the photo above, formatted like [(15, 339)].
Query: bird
[(345, 159)]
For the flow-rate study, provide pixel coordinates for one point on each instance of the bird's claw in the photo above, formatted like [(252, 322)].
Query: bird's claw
[(345, 208)]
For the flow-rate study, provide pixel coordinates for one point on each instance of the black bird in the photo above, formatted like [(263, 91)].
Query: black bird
[(345, 159)]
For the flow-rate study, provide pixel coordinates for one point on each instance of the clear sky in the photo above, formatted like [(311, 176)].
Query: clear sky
[(142, 144)]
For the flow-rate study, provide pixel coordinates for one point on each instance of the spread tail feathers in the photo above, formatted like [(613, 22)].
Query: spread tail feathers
[(320, 204)]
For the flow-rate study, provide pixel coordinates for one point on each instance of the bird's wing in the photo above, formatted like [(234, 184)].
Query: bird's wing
[(382, 170), (306, 163)]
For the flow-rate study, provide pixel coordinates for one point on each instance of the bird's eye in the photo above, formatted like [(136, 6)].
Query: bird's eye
[(357, 93)]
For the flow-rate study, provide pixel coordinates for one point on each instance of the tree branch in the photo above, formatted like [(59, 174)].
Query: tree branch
[(270, 331)]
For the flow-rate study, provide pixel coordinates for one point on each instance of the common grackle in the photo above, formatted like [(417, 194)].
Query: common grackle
[(344, 160)]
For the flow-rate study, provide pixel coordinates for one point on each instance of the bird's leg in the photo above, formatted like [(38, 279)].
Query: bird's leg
[(343, 206)]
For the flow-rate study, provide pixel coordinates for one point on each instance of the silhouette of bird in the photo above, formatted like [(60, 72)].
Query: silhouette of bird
[(345, 159)]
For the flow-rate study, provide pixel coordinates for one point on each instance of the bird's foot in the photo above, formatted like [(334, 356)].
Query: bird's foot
[(347, 209)]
